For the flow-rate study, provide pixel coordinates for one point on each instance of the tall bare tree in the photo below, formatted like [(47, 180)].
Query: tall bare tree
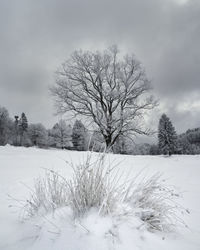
[(111, 91)]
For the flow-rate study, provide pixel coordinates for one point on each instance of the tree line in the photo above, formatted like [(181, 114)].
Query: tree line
[(168, 141), (19, 132)]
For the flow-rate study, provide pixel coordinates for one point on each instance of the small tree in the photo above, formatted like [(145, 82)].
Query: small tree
[(79, 136), (167, 137), (61, 135), (111, 92), (38, 135)]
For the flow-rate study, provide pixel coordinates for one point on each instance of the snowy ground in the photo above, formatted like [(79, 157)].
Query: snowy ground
[(19, 167)]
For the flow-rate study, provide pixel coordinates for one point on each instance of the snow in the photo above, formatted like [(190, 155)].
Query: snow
[(18, 168)]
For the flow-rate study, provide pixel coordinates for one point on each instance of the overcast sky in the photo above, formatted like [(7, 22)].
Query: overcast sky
[(36, 36)]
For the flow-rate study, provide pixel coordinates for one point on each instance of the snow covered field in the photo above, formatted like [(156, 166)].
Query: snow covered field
[(19, 167)]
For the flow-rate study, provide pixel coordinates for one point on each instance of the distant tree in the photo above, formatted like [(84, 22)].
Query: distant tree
[(144, 148), (184, 146), (96, 142), (16, 135), (79, 136), (139, 148), (154, 150), (167, 137), (23, 122), (4, 125), (38, 135), (193, 136), (23, 126), (189, 142), (51, 140), (121, 145), (109, 90), (61, 135)]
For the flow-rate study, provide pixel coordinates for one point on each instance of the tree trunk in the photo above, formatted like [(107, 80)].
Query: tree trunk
[(109, 143)]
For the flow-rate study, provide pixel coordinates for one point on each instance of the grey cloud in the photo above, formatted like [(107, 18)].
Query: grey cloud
[(36, 36), (179, 69)]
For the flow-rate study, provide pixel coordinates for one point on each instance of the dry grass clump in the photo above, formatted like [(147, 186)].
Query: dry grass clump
[(156, 204), (49, 192), (96, 185), (92, 187)]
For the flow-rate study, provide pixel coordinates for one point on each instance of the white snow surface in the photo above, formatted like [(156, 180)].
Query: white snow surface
[(20, 166)]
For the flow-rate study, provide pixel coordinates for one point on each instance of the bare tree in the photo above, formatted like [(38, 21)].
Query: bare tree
[(111, 92), (61, 132)]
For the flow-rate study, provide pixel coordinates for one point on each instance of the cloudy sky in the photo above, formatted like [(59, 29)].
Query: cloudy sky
[(36, 36)]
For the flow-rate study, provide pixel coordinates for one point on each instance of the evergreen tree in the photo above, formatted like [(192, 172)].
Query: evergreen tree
[(79, 136), (167, 137), (23, 126), (23, 122)]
